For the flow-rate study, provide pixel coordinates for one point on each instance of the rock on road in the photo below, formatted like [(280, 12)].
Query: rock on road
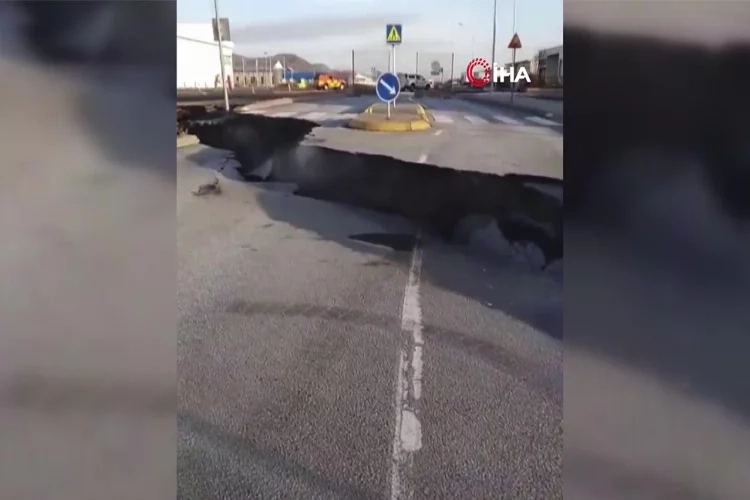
[(315, 365)]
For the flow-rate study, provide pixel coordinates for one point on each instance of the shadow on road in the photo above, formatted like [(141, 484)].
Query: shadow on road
[(494, 277)]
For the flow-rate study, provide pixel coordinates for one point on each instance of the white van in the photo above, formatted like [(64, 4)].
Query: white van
[(412, 82)]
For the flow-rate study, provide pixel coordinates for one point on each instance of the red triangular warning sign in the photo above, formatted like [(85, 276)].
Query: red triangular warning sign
[(515, 42)]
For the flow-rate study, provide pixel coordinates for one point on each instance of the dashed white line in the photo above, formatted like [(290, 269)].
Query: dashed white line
[(283, 114), (440, 118), (422, 158), (408, 433), (438, 132), (398, 453), (543, 121), (506, 120), (475, 120), (314, 116)]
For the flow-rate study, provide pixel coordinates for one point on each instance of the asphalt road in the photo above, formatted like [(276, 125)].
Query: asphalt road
[(465, 135), (241, 96), (317, 365)]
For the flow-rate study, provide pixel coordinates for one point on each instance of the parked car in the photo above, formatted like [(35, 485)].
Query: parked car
[(412, 82)]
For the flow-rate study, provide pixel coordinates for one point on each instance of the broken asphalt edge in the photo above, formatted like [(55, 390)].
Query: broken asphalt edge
[(525, 208), (184, 141), (248, 108), (506, 105)]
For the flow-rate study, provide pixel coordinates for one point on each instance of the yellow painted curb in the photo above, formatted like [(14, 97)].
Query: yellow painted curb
[(424, 114), (390, 125)]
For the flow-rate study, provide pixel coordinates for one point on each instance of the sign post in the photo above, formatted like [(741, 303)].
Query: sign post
[(388, 88), (393, 37), (453, 64), (221, 55), (515, 43), (494, 44), (435, 68)]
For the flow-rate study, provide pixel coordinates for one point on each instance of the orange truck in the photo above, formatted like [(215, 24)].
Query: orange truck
[(324, 81)]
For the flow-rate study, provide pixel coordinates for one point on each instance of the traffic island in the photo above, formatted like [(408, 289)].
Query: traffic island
[(404, 117)]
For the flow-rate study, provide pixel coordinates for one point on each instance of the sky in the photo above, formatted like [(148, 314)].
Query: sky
[(327, 31)]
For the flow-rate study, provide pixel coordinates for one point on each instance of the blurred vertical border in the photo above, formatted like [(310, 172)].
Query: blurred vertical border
[(657, 250), (87, 256)]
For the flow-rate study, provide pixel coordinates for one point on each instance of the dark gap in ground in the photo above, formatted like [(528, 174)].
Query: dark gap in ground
[(526, 208)]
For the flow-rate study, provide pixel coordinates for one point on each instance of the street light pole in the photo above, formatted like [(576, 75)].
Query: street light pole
[(267, 71), (513, 63), (494, 43), (221, 55)]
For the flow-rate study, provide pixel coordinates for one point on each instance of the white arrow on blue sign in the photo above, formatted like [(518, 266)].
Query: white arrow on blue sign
[(388, 87)]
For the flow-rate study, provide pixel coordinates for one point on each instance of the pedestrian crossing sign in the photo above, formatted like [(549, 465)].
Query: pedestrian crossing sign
[(393, 33)]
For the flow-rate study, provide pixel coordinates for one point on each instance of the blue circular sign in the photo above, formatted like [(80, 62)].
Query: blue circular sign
[(388, 87)]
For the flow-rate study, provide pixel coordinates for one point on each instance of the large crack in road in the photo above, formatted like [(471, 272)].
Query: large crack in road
[(526, 208)]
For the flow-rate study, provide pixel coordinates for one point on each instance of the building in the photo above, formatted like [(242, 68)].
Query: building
[(198, 63), (268, 71), (550, 66), (360, 79), (526, 63), (254, 71)]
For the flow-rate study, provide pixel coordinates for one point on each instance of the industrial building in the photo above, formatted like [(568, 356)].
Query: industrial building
[(550, 66), (198, 63), (546, 68), (526, 63), (267, 71)]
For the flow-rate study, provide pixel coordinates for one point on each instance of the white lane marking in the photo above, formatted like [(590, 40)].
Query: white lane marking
[(314, 116), (475, 120), (283, 114), (543, 121), (335, 109), (345, 116), (438, 132), (401, 389), (408, 433), (506, 120), (440, 118), (422, 158)]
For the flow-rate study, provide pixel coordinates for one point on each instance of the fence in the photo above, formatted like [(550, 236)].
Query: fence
[(354, 66), (443, 68), (362, 66)]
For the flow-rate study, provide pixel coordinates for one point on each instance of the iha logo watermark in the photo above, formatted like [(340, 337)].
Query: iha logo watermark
[(488, 73)]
